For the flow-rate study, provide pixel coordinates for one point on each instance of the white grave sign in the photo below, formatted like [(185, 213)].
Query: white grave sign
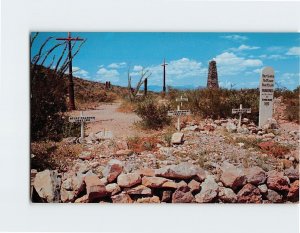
[(179, 112), (266, 95), (82, 119)]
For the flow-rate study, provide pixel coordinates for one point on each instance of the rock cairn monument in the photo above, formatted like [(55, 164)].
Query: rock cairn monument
[(212, 78)]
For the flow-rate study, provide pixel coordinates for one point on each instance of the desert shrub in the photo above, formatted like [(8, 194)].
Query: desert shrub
[(47, 104), (218, 103), (153, 116), (53, 155), (291, 100)]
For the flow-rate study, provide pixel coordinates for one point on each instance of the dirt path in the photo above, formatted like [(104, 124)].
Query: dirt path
[(108, 118)]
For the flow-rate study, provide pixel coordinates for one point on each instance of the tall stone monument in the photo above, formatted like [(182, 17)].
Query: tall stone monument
[(212, 78), (266, 89)]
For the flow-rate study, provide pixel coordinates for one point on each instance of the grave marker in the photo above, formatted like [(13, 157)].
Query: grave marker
[(240, 111), (266, 95), (179, 112), (82, 119)]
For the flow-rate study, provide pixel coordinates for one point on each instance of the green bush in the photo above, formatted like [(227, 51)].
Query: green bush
[(153, 116)]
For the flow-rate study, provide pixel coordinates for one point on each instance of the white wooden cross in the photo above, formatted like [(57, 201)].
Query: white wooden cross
[(240, 111), (82, 119), (179, 112)]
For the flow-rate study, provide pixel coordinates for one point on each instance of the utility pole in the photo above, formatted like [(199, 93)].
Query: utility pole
[(145, 86), (69, 39), (164, 78)]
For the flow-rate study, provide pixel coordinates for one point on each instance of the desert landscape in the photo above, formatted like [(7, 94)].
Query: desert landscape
[(134, 144)]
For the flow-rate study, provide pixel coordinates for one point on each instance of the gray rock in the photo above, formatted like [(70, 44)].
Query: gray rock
[(209, 190), (255, 175), (292, 173), (263, 189), (227, 195), (183, 170), (177, 138), (47, 185), (274, 196)]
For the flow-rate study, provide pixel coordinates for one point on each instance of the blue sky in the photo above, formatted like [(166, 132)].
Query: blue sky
[(239, 56)]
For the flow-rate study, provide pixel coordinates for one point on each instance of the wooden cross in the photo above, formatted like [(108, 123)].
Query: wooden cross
[(240, 111), (82, 119), (71, 84), (179, 112)]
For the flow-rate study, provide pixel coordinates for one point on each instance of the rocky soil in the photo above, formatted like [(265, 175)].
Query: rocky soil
[(215, 162)]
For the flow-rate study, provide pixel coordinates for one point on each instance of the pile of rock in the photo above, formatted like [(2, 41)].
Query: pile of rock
[(182, 183)]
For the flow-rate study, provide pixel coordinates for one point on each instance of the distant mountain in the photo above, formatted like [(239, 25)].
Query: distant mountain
[(185, 87)]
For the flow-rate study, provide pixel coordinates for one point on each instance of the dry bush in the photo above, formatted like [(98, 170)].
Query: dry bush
[(291, 100), (217, 103), (53, 155), (153, 116)]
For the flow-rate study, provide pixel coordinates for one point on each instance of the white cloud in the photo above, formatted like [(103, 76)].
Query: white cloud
[(235, 37), (231, 64), (104, 74), (244, 47), (257, 71), (294, 51), (178, 72), (137, 68), (117, 65), (276, 49), (289, 80), (78, 72), (272, 57)]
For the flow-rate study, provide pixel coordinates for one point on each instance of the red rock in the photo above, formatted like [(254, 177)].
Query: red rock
[(266, 145), (194, 186), (209, 128), (170, 185), (154, 182), (83, 199), (153, 199), (249, 194), (293, 194), (121, 198), (94, 187), (183, 195), (255, 175), (125, 152), (121, 145), (129, 180), (232, 177), (273, 196), (182, 184), (113, 169), (166, 196), (139, 190), (146, 172), (276, 181)]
